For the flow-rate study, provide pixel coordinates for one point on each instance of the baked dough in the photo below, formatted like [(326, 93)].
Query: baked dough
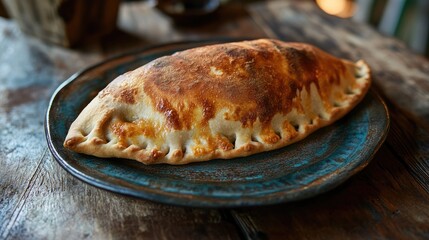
[(220, 101)]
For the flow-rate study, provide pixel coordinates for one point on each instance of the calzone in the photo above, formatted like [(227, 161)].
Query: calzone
[(220, 101)]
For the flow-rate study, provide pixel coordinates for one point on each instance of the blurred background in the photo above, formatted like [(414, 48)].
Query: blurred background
[(65, 22), (407, 20)]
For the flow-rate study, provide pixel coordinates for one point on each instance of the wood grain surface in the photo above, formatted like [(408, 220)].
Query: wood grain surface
[(39, 200)]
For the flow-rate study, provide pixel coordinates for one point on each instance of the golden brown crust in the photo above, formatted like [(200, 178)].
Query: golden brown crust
[(247, 78), (220, 101)]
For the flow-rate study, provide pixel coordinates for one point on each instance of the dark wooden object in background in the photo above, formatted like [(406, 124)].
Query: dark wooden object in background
[(38, 199)]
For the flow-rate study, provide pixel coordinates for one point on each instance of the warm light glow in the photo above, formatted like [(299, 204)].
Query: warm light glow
[(340, 8)]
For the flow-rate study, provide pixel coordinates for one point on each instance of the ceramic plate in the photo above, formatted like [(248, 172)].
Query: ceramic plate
[(317, 164)]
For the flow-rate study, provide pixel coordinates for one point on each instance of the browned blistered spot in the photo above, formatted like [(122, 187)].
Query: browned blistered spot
[(201, 150), (128, 131), (147, 128), (246, 118), (177, 154), (128, 95), (289, 130), (261, 77), (155, 154), (186, 114), (269, 136), (121, 130), (208, 111), (171, 115), (211, 144), (223, 143), (270, 139), (151, 157)]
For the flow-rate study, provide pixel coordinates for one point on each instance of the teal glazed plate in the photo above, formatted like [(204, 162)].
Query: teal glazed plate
[(320, 162)]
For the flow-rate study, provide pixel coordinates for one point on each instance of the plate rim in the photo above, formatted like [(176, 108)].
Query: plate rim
[(180, 200)]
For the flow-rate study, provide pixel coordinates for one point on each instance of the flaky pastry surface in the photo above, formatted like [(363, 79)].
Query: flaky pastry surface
[(219, 101)]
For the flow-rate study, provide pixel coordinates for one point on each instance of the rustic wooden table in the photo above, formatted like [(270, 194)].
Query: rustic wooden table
[(389, 199)]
